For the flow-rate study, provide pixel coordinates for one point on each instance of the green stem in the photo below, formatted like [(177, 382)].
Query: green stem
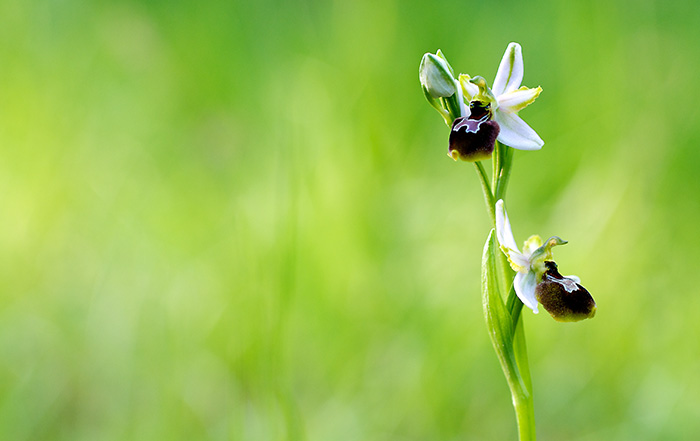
[(514, 307), (521, 387), (496, 165), (522, 402), (520, 349), (518, 378), (516, 369), (452, 106), (503, 155), (525, 415), (520, 393), (506, 161), (488, 194)]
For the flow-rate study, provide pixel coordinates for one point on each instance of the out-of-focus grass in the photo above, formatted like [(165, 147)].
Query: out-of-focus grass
[(237, 221)]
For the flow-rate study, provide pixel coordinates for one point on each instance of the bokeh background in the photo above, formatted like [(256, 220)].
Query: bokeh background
[(236, 220)]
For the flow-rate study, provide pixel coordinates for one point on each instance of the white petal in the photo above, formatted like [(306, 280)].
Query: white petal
[(503, 230), (517, 100), (505, 238), (515, 132), (524, 284), (510, 71)]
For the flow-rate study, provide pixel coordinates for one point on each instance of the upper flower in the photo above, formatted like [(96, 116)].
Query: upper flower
[(537, 277), (454, 97), (506, 99)]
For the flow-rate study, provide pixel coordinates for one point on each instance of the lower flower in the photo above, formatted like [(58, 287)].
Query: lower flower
[(538, 279), (563, 297)]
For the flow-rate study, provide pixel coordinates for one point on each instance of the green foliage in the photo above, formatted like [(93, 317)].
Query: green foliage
[(499, 323), (498, 320), (237, 221)]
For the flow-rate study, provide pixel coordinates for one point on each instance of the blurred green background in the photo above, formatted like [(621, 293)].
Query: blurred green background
[(237, 221)]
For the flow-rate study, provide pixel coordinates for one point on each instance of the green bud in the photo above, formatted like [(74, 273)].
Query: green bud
[(444, 58), (436, 76), (563, 298)]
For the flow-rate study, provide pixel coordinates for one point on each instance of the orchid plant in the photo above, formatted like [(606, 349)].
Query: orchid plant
[(484, 124)]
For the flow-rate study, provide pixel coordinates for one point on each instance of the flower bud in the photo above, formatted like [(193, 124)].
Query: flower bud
[(563, 298), (436, 76), (472, 138)]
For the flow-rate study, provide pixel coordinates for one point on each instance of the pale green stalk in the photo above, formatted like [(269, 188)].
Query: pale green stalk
[(513, 352), (488, 195)]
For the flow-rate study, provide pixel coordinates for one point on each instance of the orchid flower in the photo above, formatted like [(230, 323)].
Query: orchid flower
[(537, 277), (506, 99)]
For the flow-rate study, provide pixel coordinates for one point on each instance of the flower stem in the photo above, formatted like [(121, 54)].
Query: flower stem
[(518, 379), (522, 392), (503, 156), (517, 371), (506, 161), (496, 165), (514, 306), (524, 413), (488, 195), (522, 401)]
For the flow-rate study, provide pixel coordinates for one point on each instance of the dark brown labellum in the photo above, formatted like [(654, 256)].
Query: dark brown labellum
[(563, 298), (472, 139)]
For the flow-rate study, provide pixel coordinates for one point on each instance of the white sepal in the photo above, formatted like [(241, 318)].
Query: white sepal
[(510, 71), (503, 230), (518, 261), (515, 132), (524, 284)]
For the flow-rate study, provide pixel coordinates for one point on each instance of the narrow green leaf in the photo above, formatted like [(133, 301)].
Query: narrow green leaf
[(500, 326), (498, 319)]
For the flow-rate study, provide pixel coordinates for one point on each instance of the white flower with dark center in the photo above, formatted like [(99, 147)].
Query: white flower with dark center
[(530, 263), (506, 99)]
